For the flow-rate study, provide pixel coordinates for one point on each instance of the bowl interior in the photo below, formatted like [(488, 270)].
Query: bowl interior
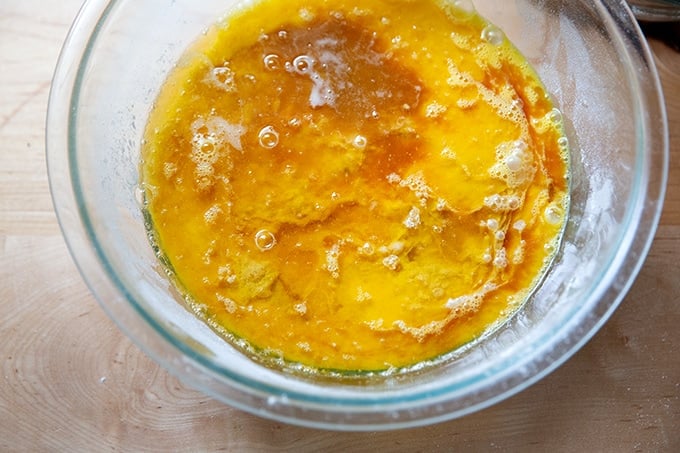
[(594, 63)]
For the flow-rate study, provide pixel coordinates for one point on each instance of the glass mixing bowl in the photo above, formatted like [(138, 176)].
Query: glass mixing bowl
[(593, 60)]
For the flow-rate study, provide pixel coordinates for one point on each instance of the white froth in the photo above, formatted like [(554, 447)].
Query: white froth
[(550, 120), (391, 262), (501, 259), (332, 260), (416, 183), (211, 214), (366, 249), (323, 92), (225, 274), (518, 255), (461, 41), (420, 333), (514, 163), (502, 203), (169, 169), (448, 153), (393, 178), (465, 104), (306, 15), (520, 225), (215, 131), (376, 324), (363, 296), (412, 220), (228, 303), (504, 101), (396, 247), (467, 303), (434, 110), (304, 346), (222, 77), (300, 308)]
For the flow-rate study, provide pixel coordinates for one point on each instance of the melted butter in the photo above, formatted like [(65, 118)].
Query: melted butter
[(355, 185)]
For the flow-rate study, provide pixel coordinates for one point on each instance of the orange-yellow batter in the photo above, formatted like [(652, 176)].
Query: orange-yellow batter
[(355, 184)]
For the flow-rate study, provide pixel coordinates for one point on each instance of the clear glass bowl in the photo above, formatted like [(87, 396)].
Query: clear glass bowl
[(594, 61)]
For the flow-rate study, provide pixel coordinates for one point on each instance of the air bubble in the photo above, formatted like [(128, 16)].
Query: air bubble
[(513, 162), (300, 308), (360, 142), (501, 260), (464, 5), (221, 74), (224, 77), (169, 169), (303, 64), (139, 196), (265, 240), (304, 346), (519, 146), (363, 296), (391, 262), (207, 147), (272, 62), (268, 137), (412, 221), (366, 249), (563, 143), (492, 35), (396, 247), (553, 215), (492, 224), (555, 116), (520, 225), (306, 14)]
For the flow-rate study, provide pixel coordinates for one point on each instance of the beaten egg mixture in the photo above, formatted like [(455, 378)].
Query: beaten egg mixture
[(354, 185)]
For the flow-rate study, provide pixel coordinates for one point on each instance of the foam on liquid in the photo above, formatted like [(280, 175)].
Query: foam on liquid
[(355, 185)]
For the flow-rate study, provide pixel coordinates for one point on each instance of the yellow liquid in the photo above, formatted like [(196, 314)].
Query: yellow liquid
[(355, 185)]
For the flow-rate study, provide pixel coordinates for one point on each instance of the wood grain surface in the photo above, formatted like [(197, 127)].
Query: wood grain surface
[(69, 380)]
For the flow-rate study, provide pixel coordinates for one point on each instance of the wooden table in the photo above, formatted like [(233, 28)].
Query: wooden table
[(69, 380)]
